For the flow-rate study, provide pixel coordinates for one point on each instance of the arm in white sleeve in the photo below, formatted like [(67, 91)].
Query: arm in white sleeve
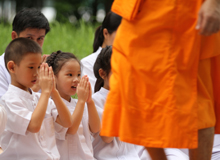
[(4, 83), (3, 118)]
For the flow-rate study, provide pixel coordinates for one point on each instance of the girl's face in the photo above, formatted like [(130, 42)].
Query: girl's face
[(108, 38), (68, 78)]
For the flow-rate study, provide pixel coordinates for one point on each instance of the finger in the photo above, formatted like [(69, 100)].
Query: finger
[(199, 21), (84, 82), (204, 25), (81, 82), (50, 73), (88, 87), (44, 57), (46, 69), (42, 70), (217, 28), (212, 27), (84, 76)]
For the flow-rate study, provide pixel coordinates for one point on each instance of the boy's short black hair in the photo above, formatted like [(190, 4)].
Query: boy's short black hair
[(20, 47), (30, 18)]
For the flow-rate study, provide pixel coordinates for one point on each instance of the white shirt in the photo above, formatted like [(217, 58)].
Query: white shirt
[(87, 67), (18, 143), (171, 154), (116, 150), (3, 118), (216, 148), (79, 145), (5, 78)]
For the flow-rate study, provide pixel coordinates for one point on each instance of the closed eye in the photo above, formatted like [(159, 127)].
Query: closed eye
[(31, 67), (41, 38), (29, 37)]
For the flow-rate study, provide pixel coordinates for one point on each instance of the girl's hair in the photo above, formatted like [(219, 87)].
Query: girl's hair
[(102, 61), (111, 23), (58, 59)]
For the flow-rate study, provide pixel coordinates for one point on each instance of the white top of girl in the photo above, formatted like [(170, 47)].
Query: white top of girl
[(79, 145), (116, 150)]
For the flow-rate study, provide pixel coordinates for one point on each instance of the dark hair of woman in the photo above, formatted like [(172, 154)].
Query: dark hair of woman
[(111, 23), (103, 62)]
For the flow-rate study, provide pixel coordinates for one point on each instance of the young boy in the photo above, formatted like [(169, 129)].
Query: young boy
[(29, 132), (28, 23)]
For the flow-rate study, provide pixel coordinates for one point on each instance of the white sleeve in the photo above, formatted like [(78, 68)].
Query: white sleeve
[(60, 131), (3, 81), (174, 154), (18, 117), (3, 118), (87, 69), (216, 148)]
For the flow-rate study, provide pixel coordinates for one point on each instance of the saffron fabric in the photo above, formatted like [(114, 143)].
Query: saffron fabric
[(157, 64)]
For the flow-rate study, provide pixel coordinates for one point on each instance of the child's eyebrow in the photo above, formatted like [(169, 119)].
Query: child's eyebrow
[(32, 63), (72, 71)]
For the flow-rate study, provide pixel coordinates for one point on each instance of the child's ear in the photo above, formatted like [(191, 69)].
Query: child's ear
[(14, 35), (102, 73), (11, 66), (105, 33)]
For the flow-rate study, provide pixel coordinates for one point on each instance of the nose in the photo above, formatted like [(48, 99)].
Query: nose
[(36, 72), (76, 79)]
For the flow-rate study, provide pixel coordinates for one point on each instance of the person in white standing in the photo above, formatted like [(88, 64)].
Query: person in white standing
[(104, 36), (28, 23), (29, 132), (75, 142)]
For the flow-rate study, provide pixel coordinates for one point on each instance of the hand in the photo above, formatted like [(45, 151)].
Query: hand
[(209, 17), (83, 89), (90, 93), (54, 82), (46, 78)]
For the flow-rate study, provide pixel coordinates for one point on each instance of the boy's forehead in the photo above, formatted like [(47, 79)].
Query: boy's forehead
[(33, 32), (31, 57)]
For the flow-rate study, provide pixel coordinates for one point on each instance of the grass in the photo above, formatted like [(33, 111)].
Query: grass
[(65, 37)]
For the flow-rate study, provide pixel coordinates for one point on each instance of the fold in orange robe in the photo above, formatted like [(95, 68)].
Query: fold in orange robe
[(153, 99)]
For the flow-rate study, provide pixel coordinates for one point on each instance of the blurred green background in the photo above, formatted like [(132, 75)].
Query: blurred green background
[(73, 23), (65, 37)]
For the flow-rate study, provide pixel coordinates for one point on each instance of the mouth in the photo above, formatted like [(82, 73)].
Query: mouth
[(34, 81), (74, 87)]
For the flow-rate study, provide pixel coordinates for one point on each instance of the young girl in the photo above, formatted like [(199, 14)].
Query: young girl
[(75, 142), (108, 148), (104, 36), (111, 148)]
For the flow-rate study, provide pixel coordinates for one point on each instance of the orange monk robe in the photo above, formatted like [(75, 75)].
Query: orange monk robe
[(153, 98)]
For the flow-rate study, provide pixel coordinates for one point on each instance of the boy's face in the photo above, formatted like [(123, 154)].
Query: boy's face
[(25, 74), (35, 34)]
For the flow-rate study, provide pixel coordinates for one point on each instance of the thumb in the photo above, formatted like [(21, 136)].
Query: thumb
[(199, 21)]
